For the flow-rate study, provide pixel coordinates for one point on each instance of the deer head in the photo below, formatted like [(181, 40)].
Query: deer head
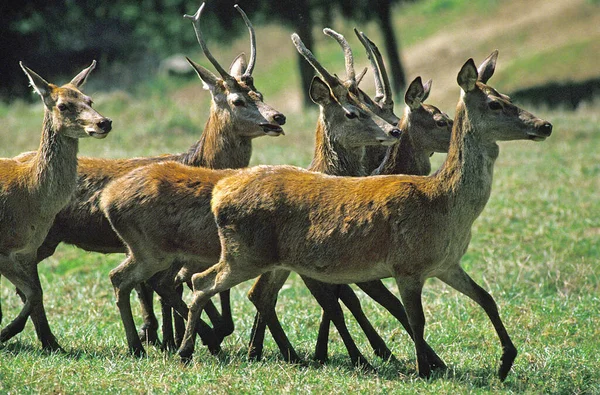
[(433, 126), (69, 110), (509, 122), (342, 110), (234, 96)]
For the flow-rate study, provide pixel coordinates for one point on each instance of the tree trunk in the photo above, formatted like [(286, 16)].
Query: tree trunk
[(391, 46), (303, 26)]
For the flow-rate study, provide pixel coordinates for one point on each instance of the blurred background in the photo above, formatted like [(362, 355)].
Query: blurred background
[(549, 56)]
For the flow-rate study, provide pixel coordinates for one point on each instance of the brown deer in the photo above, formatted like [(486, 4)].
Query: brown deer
[(425, 130), (32, 191), (348, 229), (238, 114), (162, 235)]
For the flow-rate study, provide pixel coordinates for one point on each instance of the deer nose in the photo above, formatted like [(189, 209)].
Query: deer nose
[(105, 124), (279, 118), (395, 133), (546, 128)]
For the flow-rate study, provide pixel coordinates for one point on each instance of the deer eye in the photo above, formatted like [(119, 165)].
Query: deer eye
[(351, 114), (441, 124), (238, 102), (62, 107), (494, 105)]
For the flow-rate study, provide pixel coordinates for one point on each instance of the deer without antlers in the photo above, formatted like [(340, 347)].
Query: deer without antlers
[(425, 129), (159, 244), (345, 229), (32, 191), (238, 114)]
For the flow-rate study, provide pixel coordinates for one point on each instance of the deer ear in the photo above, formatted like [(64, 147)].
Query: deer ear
[(414, 94), (427, 90), (40, 85), (238, 66), (319, 91), (80, 78), (209, 80), (467, 76), (487, 67)]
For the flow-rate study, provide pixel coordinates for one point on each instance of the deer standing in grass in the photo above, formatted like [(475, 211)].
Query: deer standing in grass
[(162, 212), (346, 230), (237, 115), (32, 192), (425, 129)]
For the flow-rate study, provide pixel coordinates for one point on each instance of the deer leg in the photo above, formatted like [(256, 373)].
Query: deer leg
[(345, 293), (382, 295), (168, 343), (148, 333), (164, 284), (178, 321), (26, 279), (410, 291), (326, 296), (462, 282), (264, 297), (123, 281)]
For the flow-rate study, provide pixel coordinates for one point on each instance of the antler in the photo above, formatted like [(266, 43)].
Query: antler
[(196, 22), (349, 59), (252, 61), (383, 91), (329, 79)]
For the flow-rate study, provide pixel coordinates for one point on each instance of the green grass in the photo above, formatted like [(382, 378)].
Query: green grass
[(535, 248)]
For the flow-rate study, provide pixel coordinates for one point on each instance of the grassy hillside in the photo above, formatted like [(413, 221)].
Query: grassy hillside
[(535, 248)]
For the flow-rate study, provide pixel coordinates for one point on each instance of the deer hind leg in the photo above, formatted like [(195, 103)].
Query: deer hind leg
[(410, 291), (460, 280), (164, 284), (325, 294), (345, 293), (148, 332), (218, 278), (131, 272), (382, 295), (264, 297)]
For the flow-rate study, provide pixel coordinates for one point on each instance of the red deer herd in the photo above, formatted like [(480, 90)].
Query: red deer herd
[(367, 207)]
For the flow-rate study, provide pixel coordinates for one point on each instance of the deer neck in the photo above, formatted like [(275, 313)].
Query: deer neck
[(331, 157), (54, 167), (466, 176), (404, 158), (221, 146)]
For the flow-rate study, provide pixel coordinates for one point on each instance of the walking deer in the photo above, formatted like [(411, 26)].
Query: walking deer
[(32, 191), (346, 229), (162, 212), (238, 114), (425, 130)]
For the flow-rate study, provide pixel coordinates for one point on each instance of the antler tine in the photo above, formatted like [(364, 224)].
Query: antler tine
[(386, 90), (252, 60), (376, 74), (329, 79), (196, 23), (349, 59)]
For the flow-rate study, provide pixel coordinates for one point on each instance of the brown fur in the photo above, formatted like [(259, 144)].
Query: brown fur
[(134, 214), (326, 227), (35, 186)]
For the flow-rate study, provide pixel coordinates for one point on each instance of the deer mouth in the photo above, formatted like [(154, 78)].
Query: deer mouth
[(271, 129), (97, 135), (387, 142), (534, 137)]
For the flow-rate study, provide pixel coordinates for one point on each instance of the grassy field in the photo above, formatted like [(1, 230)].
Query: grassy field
[(535, 248)]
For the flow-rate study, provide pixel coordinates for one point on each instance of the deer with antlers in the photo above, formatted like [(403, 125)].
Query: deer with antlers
[(33, 190), (161, 235), (238, 114), (425, 129), (348, 229)]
